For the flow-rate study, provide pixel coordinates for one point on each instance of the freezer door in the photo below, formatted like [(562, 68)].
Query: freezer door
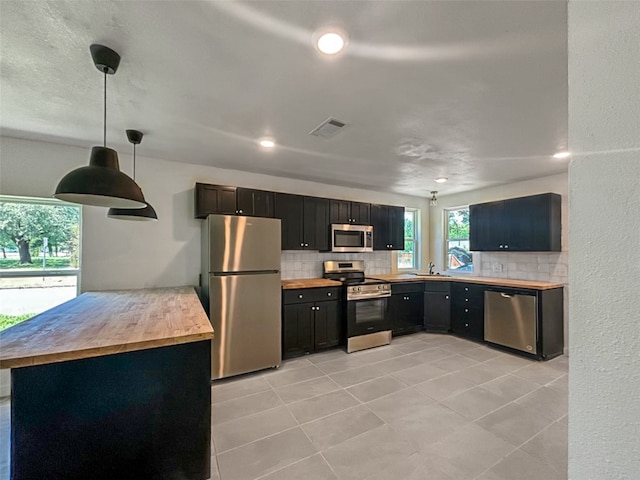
[(245, 314), (240, 244), (511, 320)]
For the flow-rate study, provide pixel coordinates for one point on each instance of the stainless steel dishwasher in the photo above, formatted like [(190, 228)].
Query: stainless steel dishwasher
[(510, 319)]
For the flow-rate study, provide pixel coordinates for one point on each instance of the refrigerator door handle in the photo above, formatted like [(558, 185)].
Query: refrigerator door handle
[(246, 272)]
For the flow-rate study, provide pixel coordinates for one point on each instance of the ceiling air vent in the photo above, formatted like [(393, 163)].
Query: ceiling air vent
[(328, 128)]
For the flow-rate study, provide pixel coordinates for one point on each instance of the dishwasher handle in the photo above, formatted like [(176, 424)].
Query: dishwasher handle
[(506, 295)]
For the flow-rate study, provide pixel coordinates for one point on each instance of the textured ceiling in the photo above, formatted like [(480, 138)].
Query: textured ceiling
[(473, 91)]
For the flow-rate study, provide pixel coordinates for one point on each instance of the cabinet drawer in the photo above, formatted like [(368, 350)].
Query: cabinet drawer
[(467, 290), (303, 295), (430, 286), (408, 287)]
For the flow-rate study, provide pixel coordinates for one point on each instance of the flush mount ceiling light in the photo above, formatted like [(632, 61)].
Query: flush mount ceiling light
[(330, 42), (101, 183), (434, 200), (140, 214), (267, 143), (441, 180), (562, 155)]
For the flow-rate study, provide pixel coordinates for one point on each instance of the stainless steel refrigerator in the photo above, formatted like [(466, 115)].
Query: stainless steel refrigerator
[(241, 288)]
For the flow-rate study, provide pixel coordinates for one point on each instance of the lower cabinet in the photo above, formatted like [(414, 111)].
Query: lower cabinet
[(437, 306), (311, 320), (467, 313), (406, 307)]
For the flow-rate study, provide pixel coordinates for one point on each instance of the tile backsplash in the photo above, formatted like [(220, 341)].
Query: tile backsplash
[(302, 264), (540, 266)]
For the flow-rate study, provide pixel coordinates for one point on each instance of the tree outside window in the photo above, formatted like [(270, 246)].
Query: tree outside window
[(458, 255), (407, 259)]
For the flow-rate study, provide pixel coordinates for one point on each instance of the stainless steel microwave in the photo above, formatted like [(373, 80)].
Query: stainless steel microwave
[(351, 238)]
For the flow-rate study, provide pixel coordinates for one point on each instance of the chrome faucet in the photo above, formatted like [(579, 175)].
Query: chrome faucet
[(430, 267)]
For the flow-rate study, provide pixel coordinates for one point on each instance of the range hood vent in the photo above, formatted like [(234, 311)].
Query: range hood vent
[(328, 128)]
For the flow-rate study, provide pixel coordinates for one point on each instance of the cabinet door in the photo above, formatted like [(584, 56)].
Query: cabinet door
[(340, 212), (328, 317), (297, 329), (214, 199), (437, 311), (256, 203), (533, 223), (406, 310), (290, 210), (396, 226), (381, 228), (316, 223), (487, 227), (360, 213)]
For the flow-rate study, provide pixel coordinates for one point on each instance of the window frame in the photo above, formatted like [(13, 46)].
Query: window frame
[(445, 243), (415, 239), (77, 272)]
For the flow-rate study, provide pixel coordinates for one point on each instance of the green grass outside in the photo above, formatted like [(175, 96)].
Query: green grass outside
[(50, 263), (7, 321)]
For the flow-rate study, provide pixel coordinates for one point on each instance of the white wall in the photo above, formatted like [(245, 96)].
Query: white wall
[(604, 180), (118, 254)]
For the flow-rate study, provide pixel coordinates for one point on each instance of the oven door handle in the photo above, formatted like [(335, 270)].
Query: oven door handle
[(372, 296)]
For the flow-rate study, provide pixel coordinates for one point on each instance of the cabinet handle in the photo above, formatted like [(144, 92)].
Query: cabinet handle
[(446, 297), (466, 289), (501, 246), (466, 324), (306, 244), (240, 211), (466, 310), (466, 299), (329, 294), (300, 296), (302, 244), (506, 246)]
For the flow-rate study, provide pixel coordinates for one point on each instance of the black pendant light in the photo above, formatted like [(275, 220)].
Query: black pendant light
[(141, 214), (101, 183)]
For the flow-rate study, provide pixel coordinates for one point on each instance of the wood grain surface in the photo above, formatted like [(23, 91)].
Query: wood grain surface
[(104, 323), (406, 277), (309, 283), (500, 282)]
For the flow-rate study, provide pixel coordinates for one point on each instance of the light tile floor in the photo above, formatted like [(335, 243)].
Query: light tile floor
[(427, 406)]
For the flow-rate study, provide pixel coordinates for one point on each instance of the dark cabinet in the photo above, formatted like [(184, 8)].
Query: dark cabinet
[(214, 199), (388, 227), (311, 320), (406, 307), (343, 211), (226, 200), (437, 306), (467, 318), (525, 224), (255, 203), (304, 221)]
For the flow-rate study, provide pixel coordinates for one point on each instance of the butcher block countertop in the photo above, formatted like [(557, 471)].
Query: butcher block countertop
[(103, 323), (501, 282), (309, 283)]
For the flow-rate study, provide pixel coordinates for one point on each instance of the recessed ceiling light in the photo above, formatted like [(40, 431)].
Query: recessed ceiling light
[(562, 155), (441, 180), (267, 143), (330, 43)]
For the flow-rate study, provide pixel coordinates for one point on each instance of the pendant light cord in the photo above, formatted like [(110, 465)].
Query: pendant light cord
[(134, 162), (105, 109)]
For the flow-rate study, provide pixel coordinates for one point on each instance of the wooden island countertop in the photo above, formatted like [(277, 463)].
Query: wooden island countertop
[(104, 323)]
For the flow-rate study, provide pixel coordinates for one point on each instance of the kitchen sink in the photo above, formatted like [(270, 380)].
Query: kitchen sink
[(418, 274)]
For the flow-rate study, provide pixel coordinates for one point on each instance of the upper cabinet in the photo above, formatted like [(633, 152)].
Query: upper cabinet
[(226, 200), (304, 221), (388, 227), (355, 213), (526, 224)]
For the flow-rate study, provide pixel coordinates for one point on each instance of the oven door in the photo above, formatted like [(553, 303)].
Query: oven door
[(367, 316)]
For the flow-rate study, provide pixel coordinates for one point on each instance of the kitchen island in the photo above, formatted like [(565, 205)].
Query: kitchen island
[(112, 384)]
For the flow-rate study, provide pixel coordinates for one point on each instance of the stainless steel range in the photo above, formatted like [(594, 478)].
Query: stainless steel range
[(367, 304)]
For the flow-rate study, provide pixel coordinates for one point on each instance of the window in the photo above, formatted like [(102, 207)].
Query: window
[(458, 256), (408, 258), (39, 256)]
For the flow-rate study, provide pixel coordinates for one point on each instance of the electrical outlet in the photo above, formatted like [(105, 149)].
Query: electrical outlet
[(496, 267)]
